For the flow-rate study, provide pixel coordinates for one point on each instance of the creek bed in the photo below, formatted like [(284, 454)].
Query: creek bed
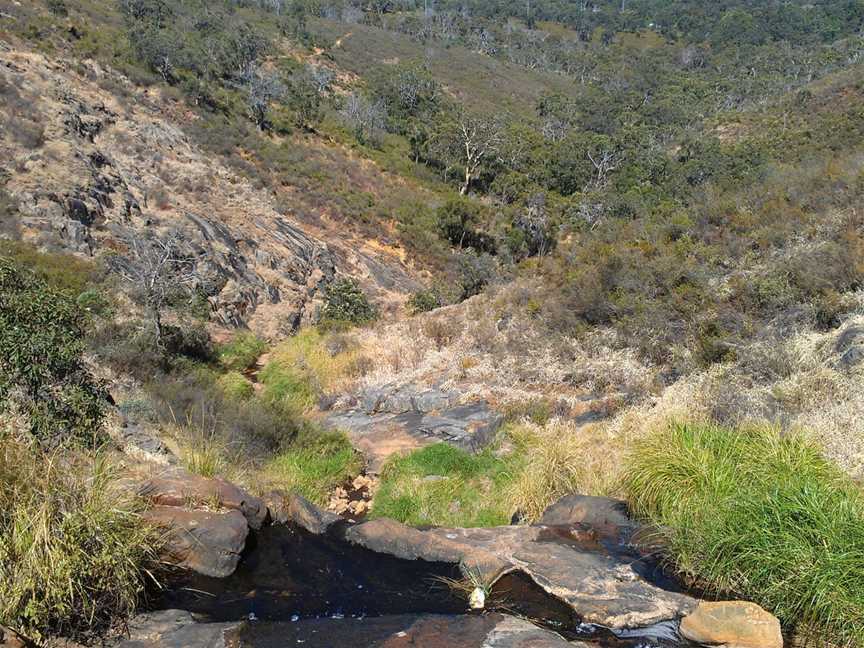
[(320, 590)]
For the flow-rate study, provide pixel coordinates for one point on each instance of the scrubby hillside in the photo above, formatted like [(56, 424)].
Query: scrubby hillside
[(444, 264)]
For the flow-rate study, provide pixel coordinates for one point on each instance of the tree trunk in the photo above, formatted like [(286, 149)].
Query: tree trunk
[(466, 185)]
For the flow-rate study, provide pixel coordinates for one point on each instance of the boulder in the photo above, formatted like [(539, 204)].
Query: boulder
[(849, 346), (175, 629), (178, 487), (599, 587), (605, 516), (206, 542), (284, 508), (732, 624)]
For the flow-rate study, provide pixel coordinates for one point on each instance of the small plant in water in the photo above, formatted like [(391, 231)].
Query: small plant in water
[(472, 585)]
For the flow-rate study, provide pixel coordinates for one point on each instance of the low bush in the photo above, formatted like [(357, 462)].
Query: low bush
[(197, 407), (754, 514), (347, 303), (424, 301), (75, 554), (314, 466)]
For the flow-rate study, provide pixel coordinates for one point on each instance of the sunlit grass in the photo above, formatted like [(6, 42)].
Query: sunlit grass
[(760, 516)]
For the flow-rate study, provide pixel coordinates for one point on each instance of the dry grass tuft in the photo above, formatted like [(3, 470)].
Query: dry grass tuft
[(74, 552)]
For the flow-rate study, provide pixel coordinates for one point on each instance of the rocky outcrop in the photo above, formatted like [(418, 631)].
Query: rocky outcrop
[(284, 508), (178, 487), (112, 162), (598, 586), (207, 542), (396, 419), (732, 624)]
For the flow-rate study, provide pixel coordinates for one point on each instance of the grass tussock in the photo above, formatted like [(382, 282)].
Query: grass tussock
[(444, 486), (307, 366), (560, 459), (74, 552), (242, 352), (533, 466), (763, 516), (313, 466)]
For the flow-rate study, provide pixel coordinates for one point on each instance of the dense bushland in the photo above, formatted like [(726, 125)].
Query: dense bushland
[(42, 371)]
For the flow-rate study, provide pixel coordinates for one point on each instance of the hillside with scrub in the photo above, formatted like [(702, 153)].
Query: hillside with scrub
[(481, 322)]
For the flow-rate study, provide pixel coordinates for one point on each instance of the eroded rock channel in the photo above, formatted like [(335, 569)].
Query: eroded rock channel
[(579, 577)]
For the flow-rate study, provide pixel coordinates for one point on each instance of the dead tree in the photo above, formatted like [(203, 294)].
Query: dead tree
[(480, 139), (156, 268)]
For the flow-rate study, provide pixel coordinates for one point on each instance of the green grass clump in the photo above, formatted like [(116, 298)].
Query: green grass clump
[(760, 516), (73, 550), (445, 486), (235, 385), (314, 466), (242, 352)]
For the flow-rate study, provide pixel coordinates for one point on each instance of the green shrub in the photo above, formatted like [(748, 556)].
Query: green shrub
[(62, 272), (75, 554), (347, 303), (242, 352), (42, 372), (750, 513), (424, 301)]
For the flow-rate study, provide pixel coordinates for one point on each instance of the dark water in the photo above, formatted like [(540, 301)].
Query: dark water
[(313, 589)]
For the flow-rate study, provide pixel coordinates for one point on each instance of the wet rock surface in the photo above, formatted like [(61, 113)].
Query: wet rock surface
[(384, 421), (324, 582), (430, 631), (613, 589), (175, 629)]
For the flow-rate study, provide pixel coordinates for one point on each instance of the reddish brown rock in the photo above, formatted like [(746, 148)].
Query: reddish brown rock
[(732, 624), (207, 542), (284, 508), (599, 587), (178, 487)]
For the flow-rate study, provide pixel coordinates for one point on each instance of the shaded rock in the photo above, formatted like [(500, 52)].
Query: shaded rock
[(428, 630), (607, 517), (206, 542), (178, 487), (849, 346), (599, 587), (286, 508), (139, 443), (732, 624), (175, 629)]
